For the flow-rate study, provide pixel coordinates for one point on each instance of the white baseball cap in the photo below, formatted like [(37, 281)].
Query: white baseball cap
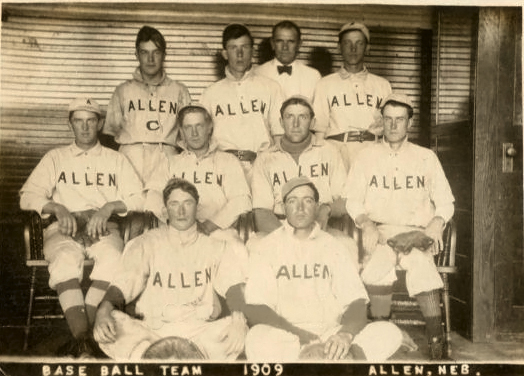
[(399, 98), (85, 104), (355, 26)]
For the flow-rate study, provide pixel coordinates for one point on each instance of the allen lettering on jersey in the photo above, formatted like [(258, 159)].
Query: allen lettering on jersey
[(182, 280), (313, 171), (243, 108), (197, 177), (87, 179), (368, 100), (160, 106), (303, 271), (397, 183)]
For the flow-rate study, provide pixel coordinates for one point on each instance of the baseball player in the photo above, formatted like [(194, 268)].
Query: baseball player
[(82, 186), (141, 114), (224, 193), (303, 289), (176, 273), (298, 153), (244, 105), (393, 187), (347, 103), (293, 76)]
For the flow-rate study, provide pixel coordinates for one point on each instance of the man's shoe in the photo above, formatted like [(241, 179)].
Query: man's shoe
[(437, 349), (86, 348)]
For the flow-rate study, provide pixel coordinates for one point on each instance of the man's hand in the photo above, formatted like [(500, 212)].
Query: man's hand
[(207, 227), (97, 225), (323, 213), (434, 230), (104, 330), (235, 333), (66, 221), (377, 127), (337, 346), (370, 236)]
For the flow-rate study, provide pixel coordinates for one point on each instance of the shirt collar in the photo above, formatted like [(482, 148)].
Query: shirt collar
[(404, 146), (186, 237), (277, 63), (345, 74), (76, 151), (213, 146), (137, 75), (290, 230), (315, 142), (230, 76)]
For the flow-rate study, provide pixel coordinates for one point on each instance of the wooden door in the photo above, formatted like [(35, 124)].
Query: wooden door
[(498, 270)]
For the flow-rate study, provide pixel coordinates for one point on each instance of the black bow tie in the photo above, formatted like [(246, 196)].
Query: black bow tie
[(284, 69)]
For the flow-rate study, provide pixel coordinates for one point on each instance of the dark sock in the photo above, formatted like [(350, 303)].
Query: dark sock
[(429, 303), (380, 298), (72, 302)]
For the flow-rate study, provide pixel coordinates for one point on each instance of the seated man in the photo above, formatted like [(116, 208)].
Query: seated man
[(298, 153), (303, 288), (395, 187), (222, 187), (176, 273), (82, 186)]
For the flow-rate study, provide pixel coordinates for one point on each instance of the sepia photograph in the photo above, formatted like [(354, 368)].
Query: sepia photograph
[(261, 188)]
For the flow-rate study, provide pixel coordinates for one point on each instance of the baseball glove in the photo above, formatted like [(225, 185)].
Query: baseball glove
[(404, 242), (173, 348)]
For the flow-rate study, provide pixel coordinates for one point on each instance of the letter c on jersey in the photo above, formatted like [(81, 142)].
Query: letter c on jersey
[(152, 125)]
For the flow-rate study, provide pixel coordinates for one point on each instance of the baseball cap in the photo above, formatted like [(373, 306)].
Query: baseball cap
[(355, 26), (398, 97), (298, 98), (294, 183), (85, 104)]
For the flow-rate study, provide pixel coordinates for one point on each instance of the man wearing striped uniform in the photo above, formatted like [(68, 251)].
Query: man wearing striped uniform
[(82, 186), (347, 103), (142, 112)]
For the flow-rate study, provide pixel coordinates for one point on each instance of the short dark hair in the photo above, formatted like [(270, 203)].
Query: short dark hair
[(192, 109), (178, 183), (148, 33), (296, 100), (316, 195), (398, 104), (286, 24), (235, 31)]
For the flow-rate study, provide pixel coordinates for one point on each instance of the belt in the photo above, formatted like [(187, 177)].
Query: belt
[(244, 155), (353, 136)]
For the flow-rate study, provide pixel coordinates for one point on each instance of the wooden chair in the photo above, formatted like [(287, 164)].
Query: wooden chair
[(403, 305), (34, 258)]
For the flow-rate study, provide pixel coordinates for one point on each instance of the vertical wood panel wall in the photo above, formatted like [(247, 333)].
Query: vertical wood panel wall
[(53, 53)]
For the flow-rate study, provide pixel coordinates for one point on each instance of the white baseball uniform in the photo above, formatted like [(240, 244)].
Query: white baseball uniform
[(302, 80), (310, 283), (218, 177), (175, 275), (142, 117), (246, 112), (321, 162), (348, 102), (81, 180), (400, 191)]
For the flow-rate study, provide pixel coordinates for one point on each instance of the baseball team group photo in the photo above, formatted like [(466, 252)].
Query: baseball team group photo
[(277, 183)]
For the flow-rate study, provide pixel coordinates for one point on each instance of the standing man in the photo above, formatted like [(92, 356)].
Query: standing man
[(81, 187), (303, 288), (393, 187), (297, 154), (218, 176), (347, 103), (142, 112), (244, 105), (176, 273), (294, 77)]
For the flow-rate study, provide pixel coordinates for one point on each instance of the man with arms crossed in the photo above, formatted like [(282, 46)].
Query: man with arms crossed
[(293, 76), (347, 103), (176, 272), (303, 288), (393, 187), (82, 186)]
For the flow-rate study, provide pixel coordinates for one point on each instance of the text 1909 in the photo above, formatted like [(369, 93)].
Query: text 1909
[(263, 369)]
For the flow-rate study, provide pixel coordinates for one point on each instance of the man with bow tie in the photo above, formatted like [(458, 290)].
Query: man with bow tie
[(347, 103), (294, 77)]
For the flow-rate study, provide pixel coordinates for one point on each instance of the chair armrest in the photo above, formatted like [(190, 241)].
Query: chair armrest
[(445, 260), (33, 235), (245, 225), (135, 223)]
